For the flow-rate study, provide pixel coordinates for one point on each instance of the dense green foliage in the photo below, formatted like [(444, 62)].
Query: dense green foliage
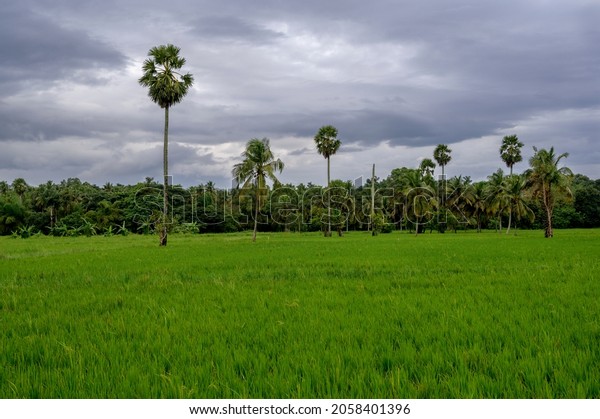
[(405, 197), (451, 316)]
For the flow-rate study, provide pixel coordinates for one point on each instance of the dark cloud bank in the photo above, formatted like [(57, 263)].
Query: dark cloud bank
[(393, 77)]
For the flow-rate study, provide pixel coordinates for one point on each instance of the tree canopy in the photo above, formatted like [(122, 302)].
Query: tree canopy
[(510, 151), (442, 156)]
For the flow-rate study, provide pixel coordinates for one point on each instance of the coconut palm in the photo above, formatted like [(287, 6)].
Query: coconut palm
[(327, 145), (514, 192), (441, 154), (478, 202), (548, 181), (166, 87), (496, 199), (258, 165), (510, 151)]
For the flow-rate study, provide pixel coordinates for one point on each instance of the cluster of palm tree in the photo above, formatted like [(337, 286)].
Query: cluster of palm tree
[(167, 86), (260, 164), (406, 199), (413, 198), (426, 201)]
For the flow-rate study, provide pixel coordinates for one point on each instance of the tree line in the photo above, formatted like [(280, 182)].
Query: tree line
[(410, 199)]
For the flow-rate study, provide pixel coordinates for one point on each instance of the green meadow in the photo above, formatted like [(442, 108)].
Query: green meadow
[(450, 315)]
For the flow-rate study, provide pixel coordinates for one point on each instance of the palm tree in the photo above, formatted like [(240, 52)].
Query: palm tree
[(496, 198), (20, 187), (514, 192), (510, 151), (441, 154), (427, 167), (420, 200), (46, 198), (327, 145), (4, 188), (548, 182), (166, 87), (459, 192), (258, 165), (478, 202)]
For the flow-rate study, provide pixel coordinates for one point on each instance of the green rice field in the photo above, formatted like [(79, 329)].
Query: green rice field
[(450, 315)]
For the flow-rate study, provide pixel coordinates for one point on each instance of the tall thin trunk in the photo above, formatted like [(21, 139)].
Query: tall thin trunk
[(547, 204), (328, 234), (373, 201), (163, 232), (510, 208), (256, 212)]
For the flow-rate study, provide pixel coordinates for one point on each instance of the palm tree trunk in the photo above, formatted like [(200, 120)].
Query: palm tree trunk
[(163, 231), (256, 213), (547, 204), (549, 232), (373, 201), (328, 234), (510, 209)]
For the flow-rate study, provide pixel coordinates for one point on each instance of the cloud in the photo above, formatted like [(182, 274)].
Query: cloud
[(232, 29), (38, 51), (395, 78)]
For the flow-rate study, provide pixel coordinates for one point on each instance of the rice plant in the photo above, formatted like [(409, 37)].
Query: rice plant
[(296, 316)]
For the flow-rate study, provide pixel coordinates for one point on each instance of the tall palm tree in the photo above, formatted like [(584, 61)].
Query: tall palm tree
[(327, 145), (441, 154), (258, 165), (510, 151), (548, 182), (166, 87)]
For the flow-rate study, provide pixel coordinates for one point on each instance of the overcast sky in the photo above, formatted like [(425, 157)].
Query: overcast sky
[(395, 77)]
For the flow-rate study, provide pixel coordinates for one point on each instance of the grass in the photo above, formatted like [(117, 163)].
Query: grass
[(301, 316)]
